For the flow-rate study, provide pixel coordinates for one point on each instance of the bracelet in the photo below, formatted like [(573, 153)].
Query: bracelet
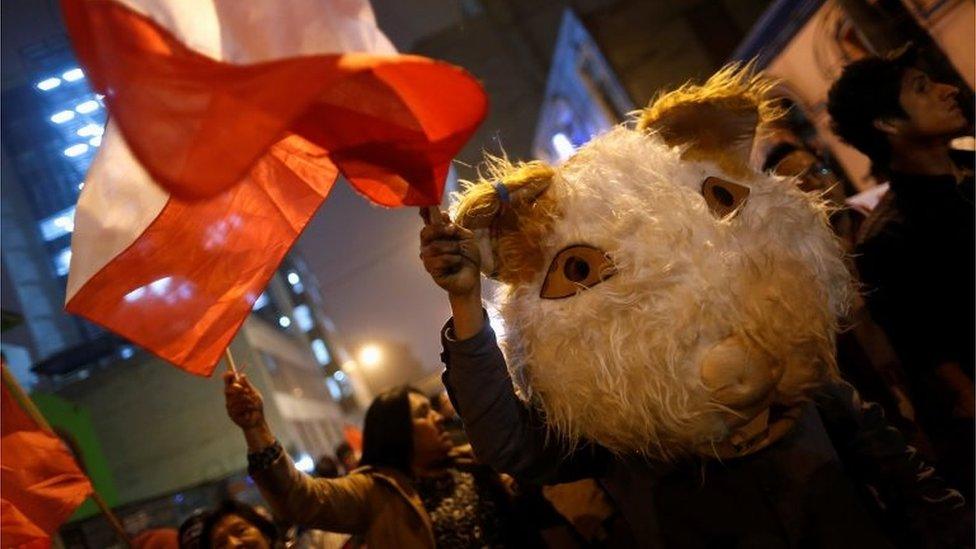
[(259, 461)]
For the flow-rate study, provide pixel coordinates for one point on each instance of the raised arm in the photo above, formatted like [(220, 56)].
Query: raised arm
[(337, 505), (504, 432)]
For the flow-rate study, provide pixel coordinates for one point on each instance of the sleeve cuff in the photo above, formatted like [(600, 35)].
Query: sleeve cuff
[(277, 476), (466, 346)]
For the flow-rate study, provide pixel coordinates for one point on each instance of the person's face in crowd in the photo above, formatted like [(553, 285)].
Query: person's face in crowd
[(805, 165), (932, 108), (430, 442), (233, 531)]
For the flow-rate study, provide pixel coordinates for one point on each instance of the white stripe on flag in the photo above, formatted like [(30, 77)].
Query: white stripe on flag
[(118, 202), (252, 31)]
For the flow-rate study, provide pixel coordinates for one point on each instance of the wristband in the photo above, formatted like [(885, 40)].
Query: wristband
[(259, 461)]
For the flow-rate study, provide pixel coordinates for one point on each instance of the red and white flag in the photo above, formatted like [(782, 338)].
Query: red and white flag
[(230, 121), (40, 483)]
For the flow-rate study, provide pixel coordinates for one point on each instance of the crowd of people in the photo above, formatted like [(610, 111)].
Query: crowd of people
[(419, 482)]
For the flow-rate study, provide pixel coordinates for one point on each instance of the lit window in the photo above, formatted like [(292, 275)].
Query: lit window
[(321, 351), (95, 141), (58, 224), (62, 262), (73, 74), (305, 464), (261, 301), (563, 146), (284, 322), (62, 117), (87, 107), (303, 317), (76, 150), (48, 84), (90, 130), (334, 389), (296, 282)]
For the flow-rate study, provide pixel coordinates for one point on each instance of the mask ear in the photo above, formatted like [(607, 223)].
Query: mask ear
[(716, 121), (510, 213)]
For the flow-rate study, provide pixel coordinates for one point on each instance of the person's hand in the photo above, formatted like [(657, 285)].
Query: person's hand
[(245, 407), (450, 255)]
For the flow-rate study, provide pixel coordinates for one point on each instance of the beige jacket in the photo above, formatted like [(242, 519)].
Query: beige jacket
[(380, 504)]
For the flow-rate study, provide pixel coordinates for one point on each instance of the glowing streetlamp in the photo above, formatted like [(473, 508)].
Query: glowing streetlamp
[(370, 355)]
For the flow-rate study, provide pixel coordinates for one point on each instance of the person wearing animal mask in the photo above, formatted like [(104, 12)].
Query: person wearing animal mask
[(670, 316)]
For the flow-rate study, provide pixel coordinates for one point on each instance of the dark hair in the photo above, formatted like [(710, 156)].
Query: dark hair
[(191, 531), (326, 467), (868, 90), (388, 430), (776, 155), (243, 510), (343, 449)]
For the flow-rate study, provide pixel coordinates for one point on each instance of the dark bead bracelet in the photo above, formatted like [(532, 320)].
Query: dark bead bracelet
[(259, 461)]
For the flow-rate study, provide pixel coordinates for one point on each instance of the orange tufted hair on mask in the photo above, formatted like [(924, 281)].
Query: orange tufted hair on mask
[(514, 229)]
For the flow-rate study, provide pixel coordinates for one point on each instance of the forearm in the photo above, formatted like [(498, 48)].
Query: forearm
[(258, 437), (338, 505), (468, 315)]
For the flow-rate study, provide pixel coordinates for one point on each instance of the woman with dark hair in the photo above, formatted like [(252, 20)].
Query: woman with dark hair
[(234, 524), (409, 491)]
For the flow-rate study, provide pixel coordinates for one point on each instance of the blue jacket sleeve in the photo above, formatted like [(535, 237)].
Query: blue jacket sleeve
[(506, 433)]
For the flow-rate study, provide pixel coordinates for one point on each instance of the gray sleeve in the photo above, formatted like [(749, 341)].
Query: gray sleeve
[(506, 433)]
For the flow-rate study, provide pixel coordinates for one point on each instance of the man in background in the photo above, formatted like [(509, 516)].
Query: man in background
[(915, 253)]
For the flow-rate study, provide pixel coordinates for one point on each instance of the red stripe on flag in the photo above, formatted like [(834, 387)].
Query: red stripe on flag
[(40, 483), (183, 288), (391, 124)]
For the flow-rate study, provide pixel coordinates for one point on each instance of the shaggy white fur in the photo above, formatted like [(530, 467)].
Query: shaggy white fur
[(620, 363)]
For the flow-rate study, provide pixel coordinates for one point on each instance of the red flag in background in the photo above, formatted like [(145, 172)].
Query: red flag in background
[(40, 482), (230, 122)]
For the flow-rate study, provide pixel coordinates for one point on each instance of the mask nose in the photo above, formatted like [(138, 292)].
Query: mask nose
[(739, 376)]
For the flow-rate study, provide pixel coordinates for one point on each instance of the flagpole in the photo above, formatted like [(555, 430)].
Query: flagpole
[(28, 406), (231, 366), (431, 215)]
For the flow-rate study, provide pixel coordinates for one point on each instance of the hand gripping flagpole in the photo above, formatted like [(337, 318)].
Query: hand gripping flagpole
[(28, 406)]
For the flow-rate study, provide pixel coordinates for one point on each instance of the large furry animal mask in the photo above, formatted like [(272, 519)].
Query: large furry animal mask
[(658, 293)]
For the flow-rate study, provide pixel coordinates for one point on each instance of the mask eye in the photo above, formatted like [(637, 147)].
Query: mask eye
[(723, 197), (575, 269)]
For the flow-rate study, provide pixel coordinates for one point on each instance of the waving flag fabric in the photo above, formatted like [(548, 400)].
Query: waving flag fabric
[(230, 121), (40, 483)]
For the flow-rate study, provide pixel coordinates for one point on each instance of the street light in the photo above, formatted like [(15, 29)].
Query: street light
[(370, 355)]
